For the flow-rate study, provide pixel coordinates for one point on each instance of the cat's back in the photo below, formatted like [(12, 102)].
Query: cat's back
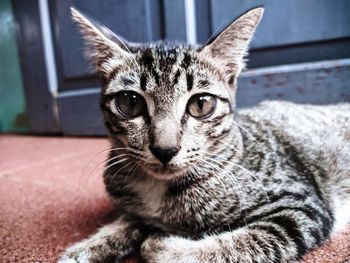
[(321, 134), (301, 120)]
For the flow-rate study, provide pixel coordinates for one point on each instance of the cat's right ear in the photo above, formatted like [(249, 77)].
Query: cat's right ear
[(229, 48), (103, 48)]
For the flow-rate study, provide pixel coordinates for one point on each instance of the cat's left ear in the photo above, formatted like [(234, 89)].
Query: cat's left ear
[(228, 49), (103, 48)]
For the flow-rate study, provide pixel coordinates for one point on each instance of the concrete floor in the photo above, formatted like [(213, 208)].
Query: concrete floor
[(51, 196)]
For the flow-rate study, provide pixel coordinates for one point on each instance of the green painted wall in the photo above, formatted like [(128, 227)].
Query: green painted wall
[(12, 103)]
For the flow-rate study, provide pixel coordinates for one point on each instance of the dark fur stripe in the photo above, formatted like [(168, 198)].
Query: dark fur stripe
[(143, 81), (297, 162), (264, 245), (274, 231), (156, 76), (114, 72), (127, 82), (189, 79), (278, 236), (203, 83), (186, 62), (308, 211), (147, 58), (292, 230), (176, 77)]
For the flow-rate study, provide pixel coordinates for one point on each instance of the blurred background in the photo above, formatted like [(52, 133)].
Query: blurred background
[(301, 52)]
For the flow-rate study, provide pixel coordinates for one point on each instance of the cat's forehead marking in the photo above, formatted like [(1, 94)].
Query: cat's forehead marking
[(163, 66), (164, 72)]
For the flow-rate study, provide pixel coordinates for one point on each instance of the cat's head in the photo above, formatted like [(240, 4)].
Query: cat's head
[(171, 105)]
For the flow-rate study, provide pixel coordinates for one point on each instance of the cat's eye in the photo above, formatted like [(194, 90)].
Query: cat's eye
[(201, 105), (130, 104)]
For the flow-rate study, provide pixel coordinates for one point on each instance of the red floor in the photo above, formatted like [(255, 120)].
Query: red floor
[(50, 196)]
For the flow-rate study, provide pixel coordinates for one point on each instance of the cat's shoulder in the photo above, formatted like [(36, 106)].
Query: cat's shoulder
[(271, 109), (305, 117), (285, 109)]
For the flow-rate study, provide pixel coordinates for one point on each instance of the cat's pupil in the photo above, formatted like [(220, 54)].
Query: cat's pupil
[(200, 103)]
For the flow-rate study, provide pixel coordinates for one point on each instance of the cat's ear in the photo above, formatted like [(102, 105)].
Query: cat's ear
[(229, 48), (103, 48)]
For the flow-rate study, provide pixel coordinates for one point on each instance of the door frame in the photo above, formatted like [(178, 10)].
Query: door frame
[(41, 102)]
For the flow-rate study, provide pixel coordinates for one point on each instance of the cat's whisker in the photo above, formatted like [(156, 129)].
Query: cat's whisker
[(227, 144), (142, 158), (253, 176), (120, 169), (212, 157), (218, 169), (229, 176), (137, 154), (193, 171), (245, 131), (95, 156), (235, 183), (117, 162), (249, 173), (236, 186), (99, 165), (133, 168), (105, 151), (201, 170), (104, 162)]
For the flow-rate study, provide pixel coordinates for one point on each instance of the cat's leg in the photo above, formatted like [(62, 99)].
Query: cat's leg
[(276, 238), (110, 243)]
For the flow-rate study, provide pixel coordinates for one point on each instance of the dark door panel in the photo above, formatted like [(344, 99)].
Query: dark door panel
[(137, 21), (288, 22), (291, 31)]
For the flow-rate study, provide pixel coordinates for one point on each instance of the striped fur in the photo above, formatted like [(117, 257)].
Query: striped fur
[(265, 184)]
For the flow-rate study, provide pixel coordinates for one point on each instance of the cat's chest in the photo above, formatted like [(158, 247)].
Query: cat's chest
[(203, 206), (196, 208), (150, 194)]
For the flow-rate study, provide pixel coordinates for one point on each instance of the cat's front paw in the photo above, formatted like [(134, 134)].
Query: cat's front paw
[(95, 250), (171, 250), (78, 258), (78, 253)]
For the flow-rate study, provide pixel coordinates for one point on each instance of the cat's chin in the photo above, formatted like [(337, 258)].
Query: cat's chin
[(165, 173)]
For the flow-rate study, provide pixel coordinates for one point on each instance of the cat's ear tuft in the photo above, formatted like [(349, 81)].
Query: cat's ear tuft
[(230, 47), (103, 48)]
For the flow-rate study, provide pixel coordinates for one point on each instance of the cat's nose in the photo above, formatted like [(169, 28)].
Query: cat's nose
[(164, 154)]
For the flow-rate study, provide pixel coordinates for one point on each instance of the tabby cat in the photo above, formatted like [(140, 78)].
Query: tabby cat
[(197, 180)]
